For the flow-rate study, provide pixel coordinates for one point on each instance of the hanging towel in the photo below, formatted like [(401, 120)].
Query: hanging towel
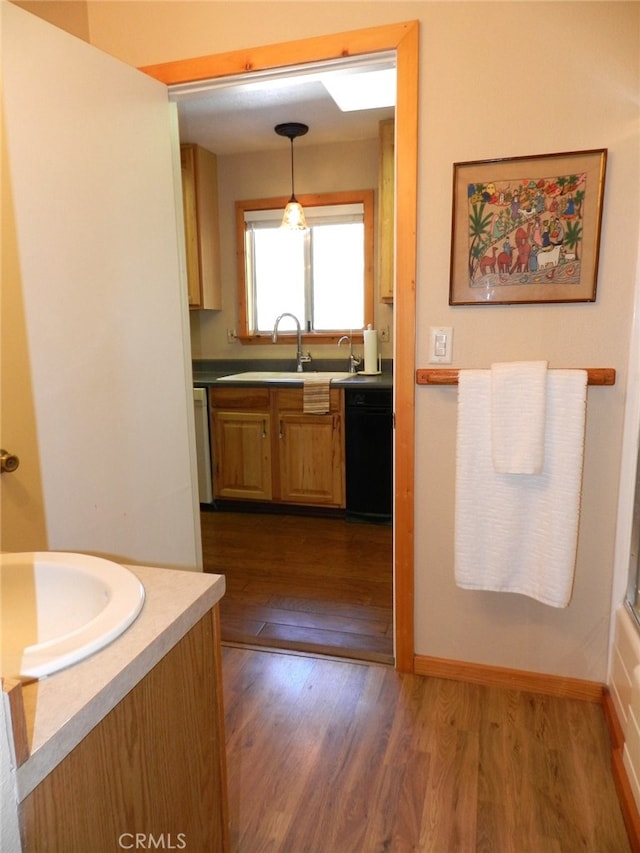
[(518, 403), (315, 396), (519, 533)]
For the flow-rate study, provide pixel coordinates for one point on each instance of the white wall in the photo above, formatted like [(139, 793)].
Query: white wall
[(496, 80)]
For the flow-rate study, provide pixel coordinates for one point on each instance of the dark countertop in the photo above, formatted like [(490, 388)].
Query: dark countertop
[(207, 372)]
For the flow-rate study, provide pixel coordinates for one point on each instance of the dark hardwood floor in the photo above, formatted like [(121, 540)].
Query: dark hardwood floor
[(314, 584), (333, 756)]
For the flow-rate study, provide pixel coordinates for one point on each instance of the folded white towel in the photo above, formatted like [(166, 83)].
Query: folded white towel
[(518, 403), (519, 534)]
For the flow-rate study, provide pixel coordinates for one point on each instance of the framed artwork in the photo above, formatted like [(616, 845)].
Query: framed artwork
[(527, 229)]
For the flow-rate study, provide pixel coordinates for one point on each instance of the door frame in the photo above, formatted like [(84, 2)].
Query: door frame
[(404, 39)]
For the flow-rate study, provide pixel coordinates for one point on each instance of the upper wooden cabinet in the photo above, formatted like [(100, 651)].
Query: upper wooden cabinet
[(201, 227), (386, 210)]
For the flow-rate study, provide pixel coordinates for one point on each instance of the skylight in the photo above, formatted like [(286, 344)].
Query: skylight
[(362, 90)]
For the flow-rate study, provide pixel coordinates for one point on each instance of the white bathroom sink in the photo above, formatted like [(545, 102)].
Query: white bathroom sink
[(58, 608), (284, 376)]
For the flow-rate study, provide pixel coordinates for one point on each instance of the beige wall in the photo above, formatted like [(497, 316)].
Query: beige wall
[(496, 80), (69, 15), (319, 169)]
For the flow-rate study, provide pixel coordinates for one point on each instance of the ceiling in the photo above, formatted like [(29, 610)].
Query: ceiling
[(237, 114)]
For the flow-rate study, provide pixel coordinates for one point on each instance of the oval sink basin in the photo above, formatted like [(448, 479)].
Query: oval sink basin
[(283, 376), (59, 608)]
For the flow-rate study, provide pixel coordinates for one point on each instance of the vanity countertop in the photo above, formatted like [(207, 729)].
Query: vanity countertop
[(63, 708)]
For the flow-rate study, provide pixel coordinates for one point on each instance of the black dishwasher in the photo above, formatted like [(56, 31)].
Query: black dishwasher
[(369, 454)]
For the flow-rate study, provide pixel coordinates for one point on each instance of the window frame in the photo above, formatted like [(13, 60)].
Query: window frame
[(364, 197)]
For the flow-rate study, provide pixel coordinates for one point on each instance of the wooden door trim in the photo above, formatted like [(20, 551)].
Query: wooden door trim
[(404, 39)]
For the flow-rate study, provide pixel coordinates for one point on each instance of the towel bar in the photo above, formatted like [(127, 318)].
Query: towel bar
[(449, 376)]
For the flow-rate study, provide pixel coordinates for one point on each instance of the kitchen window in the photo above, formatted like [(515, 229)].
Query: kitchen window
[(324, 275)]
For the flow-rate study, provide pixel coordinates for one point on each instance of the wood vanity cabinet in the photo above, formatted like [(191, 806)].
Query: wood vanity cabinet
[(152, 773), (266, 448), (201, 226)]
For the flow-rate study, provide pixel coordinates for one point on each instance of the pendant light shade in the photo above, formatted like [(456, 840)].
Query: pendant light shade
[(293, 213)]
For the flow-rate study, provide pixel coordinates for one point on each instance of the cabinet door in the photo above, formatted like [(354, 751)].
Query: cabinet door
[(190, 225), (202, 238), (153, 767), (311, 459), (242, 455)]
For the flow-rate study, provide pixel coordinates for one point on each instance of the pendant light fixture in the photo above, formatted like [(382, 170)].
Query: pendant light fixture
[(293, 213)]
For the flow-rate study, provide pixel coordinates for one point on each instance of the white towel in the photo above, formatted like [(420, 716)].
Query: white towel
[(519, 533), (518, 403)]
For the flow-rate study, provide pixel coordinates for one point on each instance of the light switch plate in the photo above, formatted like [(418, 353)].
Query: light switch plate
[(440, 344)]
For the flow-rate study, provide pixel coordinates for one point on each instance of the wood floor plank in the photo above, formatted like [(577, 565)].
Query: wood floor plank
[(314, 584), (336, 588), (326, 756), (322, 606), (354, 624), (341, 640)]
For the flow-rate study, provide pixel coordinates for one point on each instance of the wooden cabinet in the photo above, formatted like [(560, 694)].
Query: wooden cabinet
[(201, 227), (153, 769), (241, 434), (310, 450), (266, 448)]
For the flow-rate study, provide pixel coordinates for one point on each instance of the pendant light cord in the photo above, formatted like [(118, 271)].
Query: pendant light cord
[(293, 196)]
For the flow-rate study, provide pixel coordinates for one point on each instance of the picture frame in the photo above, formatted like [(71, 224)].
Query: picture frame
[(527, 229)]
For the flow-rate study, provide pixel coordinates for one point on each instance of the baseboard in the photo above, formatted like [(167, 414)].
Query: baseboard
[(616, 730), (630, 813), (512, 679)]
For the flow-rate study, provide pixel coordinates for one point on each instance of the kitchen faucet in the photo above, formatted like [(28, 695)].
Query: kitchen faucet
[(299, 357), (353, 361)]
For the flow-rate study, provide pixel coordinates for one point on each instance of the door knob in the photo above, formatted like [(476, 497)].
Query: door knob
[(8, 462)]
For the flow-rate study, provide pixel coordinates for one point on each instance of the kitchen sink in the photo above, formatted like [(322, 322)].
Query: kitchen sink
[(285, 376)]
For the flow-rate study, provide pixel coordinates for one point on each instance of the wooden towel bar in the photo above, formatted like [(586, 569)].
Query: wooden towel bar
[(449, 376)]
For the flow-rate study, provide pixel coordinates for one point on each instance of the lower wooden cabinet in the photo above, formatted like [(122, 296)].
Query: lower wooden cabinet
[(242, 450), (266, 448), (310, 451)]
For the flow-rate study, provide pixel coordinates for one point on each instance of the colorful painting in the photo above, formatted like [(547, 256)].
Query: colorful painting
[(527, 229)]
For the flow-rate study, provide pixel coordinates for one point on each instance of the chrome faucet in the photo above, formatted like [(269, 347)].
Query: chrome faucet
[(300, 358), (353, 361)]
